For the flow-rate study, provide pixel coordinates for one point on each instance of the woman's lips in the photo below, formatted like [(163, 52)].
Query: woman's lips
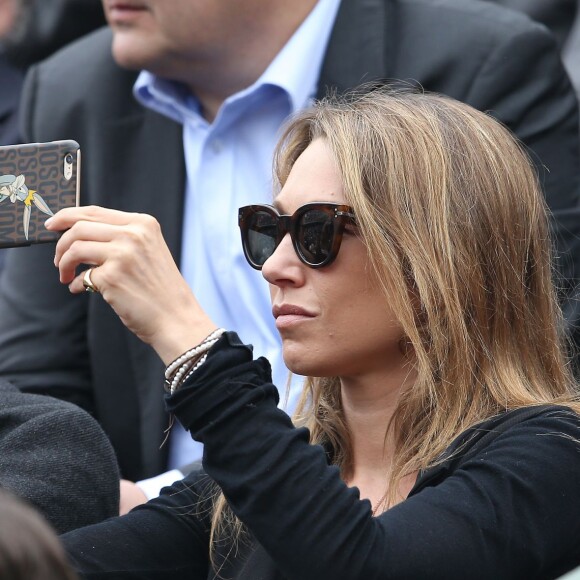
[(288, 315)]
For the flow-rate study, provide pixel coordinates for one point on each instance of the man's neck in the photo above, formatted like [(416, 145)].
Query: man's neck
[(228, 73)]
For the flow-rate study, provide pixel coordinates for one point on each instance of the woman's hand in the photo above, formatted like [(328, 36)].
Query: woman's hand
[(134, 272)]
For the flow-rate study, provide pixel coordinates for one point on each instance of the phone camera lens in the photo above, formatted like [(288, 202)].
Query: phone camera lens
[(69, 158)]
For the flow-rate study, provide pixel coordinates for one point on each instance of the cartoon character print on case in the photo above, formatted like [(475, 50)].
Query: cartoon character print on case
[(13, 187), (33, 186)]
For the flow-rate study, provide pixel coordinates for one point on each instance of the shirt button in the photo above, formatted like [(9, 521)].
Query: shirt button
[(217, 146)]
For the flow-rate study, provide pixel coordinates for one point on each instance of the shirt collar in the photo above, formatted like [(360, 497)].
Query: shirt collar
[(295, 70), (167, 97), (297, 66)]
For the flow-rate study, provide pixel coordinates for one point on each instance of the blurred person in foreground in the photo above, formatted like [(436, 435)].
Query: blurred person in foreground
[(408, 261), (29, 547), (56, 457)]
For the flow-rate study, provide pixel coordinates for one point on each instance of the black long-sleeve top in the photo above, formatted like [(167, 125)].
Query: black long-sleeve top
[(507, 505)]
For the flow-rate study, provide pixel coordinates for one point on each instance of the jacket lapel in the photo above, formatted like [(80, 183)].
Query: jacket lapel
[(153, 162), (357, 49)]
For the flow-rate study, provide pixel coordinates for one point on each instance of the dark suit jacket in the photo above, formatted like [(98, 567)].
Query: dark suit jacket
[(75, 347), (557, 15), (12, 79), (56, 457)]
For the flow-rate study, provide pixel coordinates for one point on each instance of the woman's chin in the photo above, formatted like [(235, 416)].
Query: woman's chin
[(296, 361), (301, 361)]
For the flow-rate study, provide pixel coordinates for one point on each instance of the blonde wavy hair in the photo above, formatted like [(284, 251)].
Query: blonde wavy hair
[(456, 228)]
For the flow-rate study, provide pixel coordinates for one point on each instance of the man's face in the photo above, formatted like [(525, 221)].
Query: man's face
[(168, 37), (8, 12)]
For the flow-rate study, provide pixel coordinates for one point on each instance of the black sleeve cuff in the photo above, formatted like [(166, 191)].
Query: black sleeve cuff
[(223, 384)]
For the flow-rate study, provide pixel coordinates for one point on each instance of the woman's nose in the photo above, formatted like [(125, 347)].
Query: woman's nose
[(284, 267)]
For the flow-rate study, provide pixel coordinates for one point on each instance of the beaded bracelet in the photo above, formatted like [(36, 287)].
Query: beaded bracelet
[(183, 366), (173, 366), (187, 369)]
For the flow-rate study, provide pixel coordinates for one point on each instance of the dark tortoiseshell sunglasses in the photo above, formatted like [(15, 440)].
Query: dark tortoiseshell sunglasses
[(315, 229)]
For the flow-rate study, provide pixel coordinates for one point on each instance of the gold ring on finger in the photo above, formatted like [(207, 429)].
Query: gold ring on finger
[(88, 284)]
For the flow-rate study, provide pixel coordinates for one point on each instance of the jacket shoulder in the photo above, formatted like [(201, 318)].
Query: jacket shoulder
[(88, 59), (78, 83), (484, 17), (57, 457)]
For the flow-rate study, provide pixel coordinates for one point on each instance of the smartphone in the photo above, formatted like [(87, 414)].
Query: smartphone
[(36, 181)]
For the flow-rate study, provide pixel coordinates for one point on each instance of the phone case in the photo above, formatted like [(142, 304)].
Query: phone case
[(36, 181)]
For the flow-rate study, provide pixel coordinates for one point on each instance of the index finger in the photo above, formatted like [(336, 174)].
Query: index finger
[(69, 216)]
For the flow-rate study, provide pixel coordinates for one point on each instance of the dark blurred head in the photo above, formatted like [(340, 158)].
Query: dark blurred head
[(29, 547), (41, 27)]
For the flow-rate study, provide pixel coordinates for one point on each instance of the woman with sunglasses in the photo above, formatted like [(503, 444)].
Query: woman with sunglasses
[(408, 261)]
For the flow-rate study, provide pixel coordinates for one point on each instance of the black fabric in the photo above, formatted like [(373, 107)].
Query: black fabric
[(493, 59), (504, 504), (557, 15), (12, 79), (56, 456)]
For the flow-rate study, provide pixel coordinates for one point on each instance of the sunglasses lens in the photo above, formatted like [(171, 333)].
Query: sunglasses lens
[(316, 235), (261, 237)]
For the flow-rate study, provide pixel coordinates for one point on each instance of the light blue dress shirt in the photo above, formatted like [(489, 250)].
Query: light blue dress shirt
[(229, 164)]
